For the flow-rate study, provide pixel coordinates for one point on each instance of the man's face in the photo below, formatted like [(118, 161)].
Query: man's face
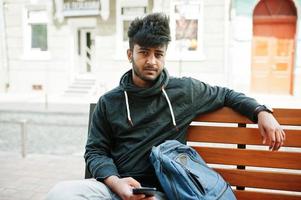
[(148, 63)]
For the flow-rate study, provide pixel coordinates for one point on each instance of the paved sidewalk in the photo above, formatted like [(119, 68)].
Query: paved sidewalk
[(31, 178)]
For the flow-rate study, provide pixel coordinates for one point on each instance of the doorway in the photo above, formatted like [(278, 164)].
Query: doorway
[(273, 47), (86, 45)]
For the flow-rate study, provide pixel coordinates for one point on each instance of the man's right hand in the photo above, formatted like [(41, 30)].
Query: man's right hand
[(124, 188)]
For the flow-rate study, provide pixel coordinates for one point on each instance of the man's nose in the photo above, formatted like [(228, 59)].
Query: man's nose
[(151, 59)]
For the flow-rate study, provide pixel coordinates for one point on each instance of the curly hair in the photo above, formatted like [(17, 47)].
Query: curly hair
[(150, 31)]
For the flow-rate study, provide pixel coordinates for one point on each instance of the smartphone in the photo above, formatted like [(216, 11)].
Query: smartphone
[(148, 191)]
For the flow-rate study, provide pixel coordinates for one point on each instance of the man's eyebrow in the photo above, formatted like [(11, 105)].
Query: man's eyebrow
[(148, 49), (144, 48), (159, 51)]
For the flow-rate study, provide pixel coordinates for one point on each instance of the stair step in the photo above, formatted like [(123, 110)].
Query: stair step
[(85, 80), (77, 91), (80, 86), (84, 83)]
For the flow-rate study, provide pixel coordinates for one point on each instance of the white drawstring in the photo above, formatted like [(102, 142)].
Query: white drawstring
[(128, 108), (170, 107), (168, 102)]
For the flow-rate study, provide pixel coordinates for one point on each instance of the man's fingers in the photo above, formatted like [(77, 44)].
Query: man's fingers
[(263, 134), (139, 196), (283, 135), (272, 139), (282, 141), (280, 137), (133, 182), (272, 133), (272, 144), (264, 139), (278, 140), (150, 198)]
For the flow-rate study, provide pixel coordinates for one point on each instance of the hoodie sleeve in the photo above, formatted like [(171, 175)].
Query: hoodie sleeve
[(206, 98), (97, 155)]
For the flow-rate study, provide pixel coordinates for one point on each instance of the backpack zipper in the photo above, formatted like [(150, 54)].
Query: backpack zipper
[(197, 184)]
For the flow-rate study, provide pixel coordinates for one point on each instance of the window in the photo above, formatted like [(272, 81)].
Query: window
[(127, 11), (186, 28), (39, 37), (36, 34)]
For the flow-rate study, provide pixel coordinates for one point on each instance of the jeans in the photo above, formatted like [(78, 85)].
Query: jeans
[(88, 189)]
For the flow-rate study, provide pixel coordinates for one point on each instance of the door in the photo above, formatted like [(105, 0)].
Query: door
[(86, 50), (273, 45)]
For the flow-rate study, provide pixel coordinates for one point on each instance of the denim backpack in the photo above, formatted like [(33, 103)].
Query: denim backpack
[(184, 175)]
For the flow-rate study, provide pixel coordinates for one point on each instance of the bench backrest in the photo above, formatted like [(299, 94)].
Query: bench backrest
[(92, 106), (231, 144)]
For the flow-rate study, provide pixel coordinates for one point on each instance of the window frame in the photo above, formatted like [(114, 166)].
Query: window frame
[(173, 53), (30, 53), (121, 45)]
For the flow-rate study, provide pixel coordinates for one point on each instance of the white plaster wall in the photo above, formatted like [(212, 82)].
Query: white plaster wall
[(13, 20), (211, 69), (57, 72), (24, 71), (2, 70), (241, 47), (108, 68)]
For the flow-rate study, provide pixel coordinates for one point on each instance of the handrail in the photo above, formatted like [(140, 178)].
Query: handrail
[(41, 123), (24, 125)]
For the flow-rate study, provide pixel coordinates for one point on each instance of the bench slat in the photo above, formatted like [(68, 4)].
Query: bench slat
[(234, 135), (288, 116), (256, 158), (267, 180), (254, 195), (227, 115), (223, 115)]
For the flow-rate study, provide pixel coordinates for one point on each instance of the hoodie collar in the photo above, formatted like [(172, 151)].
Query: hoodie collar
[(126, 83)]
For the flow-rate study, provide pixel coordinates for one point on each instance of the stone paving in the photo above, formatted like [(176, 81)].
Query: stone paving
[(55, 134), (31, 178)]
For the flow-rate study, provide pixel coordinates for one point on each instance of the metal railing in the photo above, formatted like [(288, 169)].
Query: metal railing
[(24, 130)]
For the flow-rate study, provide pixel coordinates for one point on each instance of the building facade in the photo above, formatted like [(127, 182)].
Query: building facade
[(266, 56), (79, 47)]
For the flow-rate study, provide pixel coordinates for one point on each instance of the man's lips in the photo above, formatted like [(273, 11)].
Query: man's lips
[(150, 69)]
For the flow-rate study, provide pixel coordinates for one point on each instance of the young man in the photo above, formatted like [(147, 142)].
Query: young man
[(147, 108)]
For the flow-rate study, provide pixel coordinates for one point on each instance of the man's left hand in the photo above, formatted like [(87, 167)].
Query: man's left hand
[(271, 131)]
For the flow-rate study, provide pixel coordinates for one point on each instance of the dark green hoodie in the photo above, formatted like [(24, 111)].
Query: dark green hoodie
[(128, 121)]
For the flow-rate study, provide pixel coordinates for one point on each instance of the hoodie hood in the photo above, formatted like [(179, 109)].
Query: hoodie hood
[(126, 83)]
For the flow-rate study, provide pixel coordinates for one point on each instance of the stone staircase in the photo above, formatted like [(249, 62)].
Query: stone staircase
[(81, 86)]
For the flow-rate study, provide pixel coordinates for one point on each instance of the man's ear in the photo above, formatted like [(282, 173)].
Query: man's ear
[(130, 54)]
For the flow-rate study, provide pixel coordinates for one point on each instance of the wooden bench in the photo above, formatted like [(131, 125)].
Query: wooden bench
[(231, 144)]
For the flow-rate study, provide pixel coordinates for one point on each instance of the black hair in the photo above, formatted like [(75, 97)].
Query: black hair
[(150, 31)]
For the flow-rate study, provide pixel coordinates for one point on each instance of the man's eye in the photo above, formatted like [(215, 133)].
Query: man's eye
[(159, 55), (143, 52)]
